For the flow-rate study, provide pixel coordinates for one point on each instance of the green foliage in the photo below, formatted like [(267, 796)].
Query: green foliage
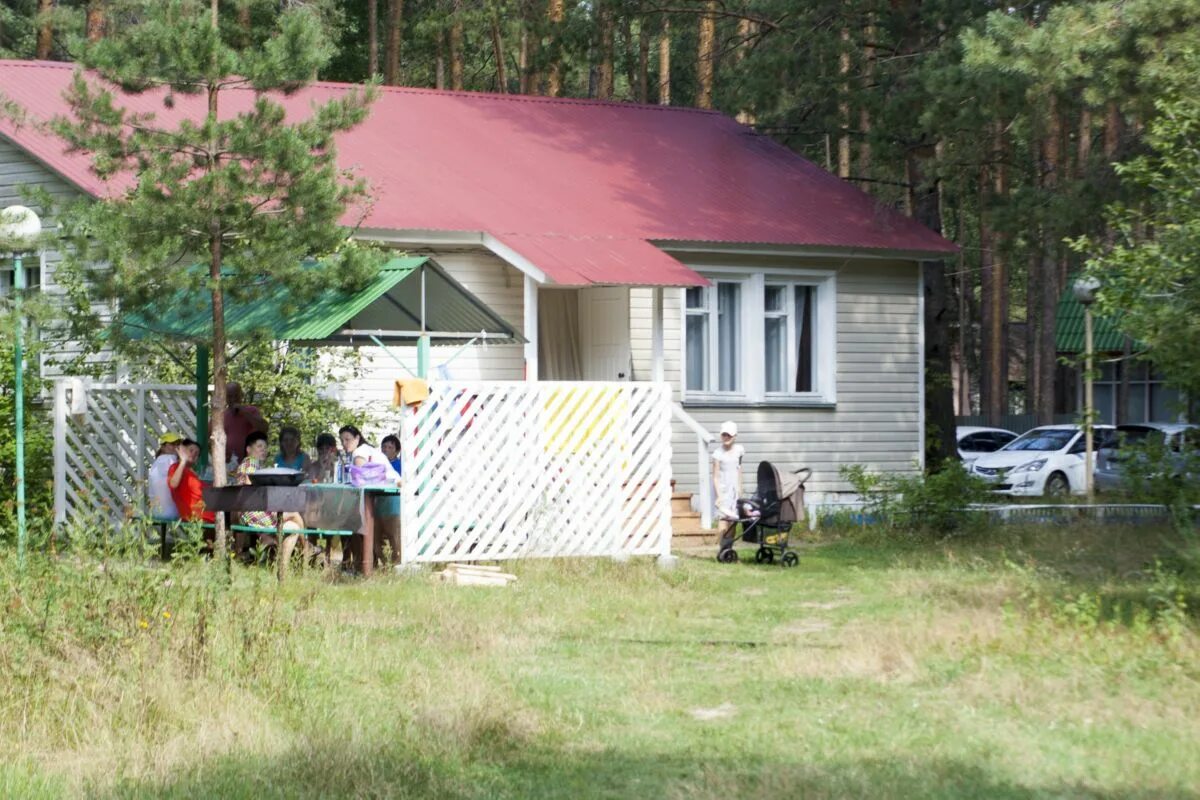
[(1150, 277), (937, 503), (39, 458)]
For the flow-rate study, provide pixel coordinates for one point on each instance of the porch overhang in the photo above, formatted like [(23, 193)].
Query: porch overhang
[(408, 298), (579, 261)]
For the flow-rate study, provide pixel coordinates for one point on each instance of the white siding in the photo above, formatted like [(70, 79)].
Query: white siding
[(18, 173), (877, 415)]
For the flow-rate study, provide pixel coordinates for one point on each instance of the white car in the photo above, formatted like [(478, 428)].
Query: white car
[(974, 442), (1044, 461)]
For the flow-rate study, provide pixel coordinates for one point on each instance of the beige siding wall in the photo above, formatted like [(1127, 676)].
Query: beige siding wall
[(495, 283), (876, 419), (19, 173)]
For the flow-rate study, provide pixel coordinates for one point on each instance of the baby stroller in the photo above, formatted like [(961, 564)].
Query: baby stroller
[(767, 517)]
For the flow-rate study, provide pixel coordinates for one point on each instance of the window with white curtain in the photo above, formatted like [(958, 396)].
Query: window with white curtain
[(757, 337), (713, 339)]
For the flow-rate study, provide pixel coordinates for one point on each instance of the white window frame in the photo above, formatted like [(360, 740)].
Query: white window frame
[(713, 350), (753, 343)]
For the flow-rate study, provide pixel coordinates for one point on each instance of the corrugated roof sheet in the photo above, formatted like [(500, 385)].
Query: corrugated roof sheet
[(1069, 328), (568, 171), (390, 302)]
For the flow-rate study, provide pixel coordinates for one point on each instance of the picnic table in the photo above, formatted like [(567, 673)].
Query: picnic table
[(330, 508)]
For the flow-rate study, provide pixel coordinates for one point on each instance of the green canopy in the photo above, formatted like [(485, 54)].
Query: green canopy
[(1069, 324), (408, 297)]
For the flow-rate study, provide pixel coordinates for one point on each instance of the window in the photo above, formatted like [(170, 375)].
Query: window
[(713, 338), (761, 338), (788, 338)]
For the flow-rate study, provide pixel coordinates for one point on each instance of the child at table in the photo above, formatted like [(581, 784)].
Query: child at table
[(256, 459)]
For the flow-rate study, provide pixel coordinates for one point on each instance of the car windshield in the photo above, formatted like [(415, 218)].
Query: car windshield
[(1138, 434), (1046, 439)]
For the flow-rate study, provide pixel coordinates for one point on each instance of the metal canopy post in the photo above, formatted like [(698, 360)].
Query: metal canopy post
[(202, 403), (423, 339), (19, 403)]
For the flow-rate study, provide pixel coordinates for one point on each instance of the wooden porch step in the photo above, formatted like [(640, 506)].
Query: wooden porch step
[(680, 502), (686, 521), (695, 538)]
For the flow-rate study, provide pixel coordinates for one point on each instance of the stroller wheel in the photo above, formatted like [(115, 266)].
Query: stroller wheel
[(727, 556), (790, 559), (763, 556)]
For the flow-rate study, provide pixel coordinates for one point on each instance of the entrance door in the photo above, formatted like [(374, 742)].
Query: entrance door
[(604, 333)]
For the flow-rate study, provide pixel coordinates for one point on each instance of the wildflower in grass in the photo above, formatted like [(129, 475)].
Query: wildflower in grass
[(143, 624), (166, 615)]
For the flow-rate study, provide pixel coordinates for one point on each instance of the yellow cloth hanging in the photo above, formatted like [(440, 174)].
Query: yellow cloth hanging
[(410, 392)]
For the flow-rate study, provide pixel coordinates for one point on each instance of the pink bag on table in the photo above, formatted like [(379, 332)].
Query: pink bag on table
[(368, 475)]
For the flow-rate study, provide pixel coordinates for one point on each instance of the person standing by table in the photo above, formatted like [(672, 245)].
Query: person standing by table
[(240, 421)]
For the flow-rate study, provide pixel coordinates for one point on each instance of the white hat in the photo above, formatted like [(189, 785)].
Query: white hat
[(729, 427)]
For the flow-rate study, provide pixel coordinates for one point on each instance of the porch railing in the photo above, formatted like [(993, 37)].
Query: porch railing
[(703, 440)]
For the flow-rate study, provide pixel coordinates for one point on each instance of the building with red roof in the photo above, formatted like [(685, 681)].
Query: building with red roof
[(626, 242)]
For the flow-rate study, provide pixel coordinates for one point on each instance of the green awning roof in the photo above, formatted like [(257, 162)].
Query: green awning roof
[(389, 308), (1068, 327)]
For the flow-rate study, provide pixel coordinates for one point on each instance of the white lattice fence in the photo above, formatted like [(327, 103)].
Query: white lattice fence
[(510, 470), (102, 452)]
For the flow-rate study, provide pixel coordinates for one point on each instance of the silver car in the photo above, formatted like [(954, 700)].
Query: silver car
[(1178, 439)]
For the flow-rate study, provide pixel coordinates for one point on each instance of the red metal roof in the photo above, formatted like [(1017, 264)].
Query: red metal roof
[(576, 187)]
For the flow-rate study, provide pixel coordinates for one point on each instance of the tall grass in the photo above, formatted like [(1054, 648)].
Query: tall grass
[(1039, 661)]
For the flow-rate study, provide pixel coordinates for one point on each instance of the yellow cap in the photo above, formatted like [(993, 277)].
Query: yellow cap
[(170, 438)]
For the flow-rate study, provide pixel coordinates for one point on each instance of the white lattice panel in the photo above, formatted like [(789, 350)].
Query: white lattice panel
[(511, 470), (102, 455)]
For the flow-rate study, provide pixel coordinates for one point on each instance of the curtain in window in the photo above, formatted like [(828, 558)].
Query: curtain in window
[(559, 350), (804, 339), (697, 352), (728, 336)]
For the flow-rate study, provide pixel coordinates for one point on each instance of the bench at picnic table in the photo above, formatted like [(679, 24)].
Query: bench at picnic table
[(325, 507)]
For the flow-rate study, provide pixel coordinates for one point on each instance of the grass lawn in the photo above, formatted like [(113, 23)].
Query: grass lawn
[(1045, 662)]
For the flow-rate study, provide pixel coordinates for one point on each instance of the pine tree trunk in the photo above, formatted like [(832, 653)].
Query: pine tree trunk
[(456, 54), (96, 19), (706, 55), (1050, 286), (746, 31), (925, 199), (554, 15), (843, 107), (395, 19), (372, 38), (993, 378), (1033, 305), (604, 71), (498, 54), (523, 61), (643, 70), (987, 301), (439, 71), (45, 36), (864, 112), (664, 63)]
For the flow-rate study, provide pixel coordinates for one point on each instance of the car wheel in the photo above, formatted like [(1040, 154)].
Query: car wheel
[(1057, 485)]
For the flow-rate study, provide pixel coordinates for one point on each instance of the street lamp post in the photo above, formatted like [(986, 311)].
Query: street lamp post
[(19, 232), (1085, 292)]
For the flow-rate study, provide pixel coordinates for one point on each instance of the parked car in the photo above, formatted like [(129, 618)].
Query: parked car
[(1044, 461), (974, 442), (1177, 439)]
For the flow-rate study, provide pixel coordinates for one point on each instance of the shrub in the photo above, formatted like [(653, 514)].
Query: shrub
[(939, 502)]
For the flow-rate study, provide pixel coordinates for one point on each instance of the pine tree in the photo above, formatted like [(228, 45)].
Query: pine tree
[(250, 193)]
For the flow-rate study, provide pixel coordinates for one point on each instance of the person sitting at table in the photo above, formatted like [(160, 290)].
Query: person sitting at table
[(162, 505), (290, 456), (187, 490), (359, 451), (323, 468), (256, 459), (390, 446), (387, 508)]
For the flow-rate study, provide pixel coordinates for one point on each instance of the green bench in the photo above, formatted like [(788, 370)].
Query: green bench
[(164, 525)]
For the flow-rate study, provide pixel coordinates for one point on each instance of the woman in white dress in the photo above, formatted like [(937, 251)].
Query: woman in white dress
[(727, 480)]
